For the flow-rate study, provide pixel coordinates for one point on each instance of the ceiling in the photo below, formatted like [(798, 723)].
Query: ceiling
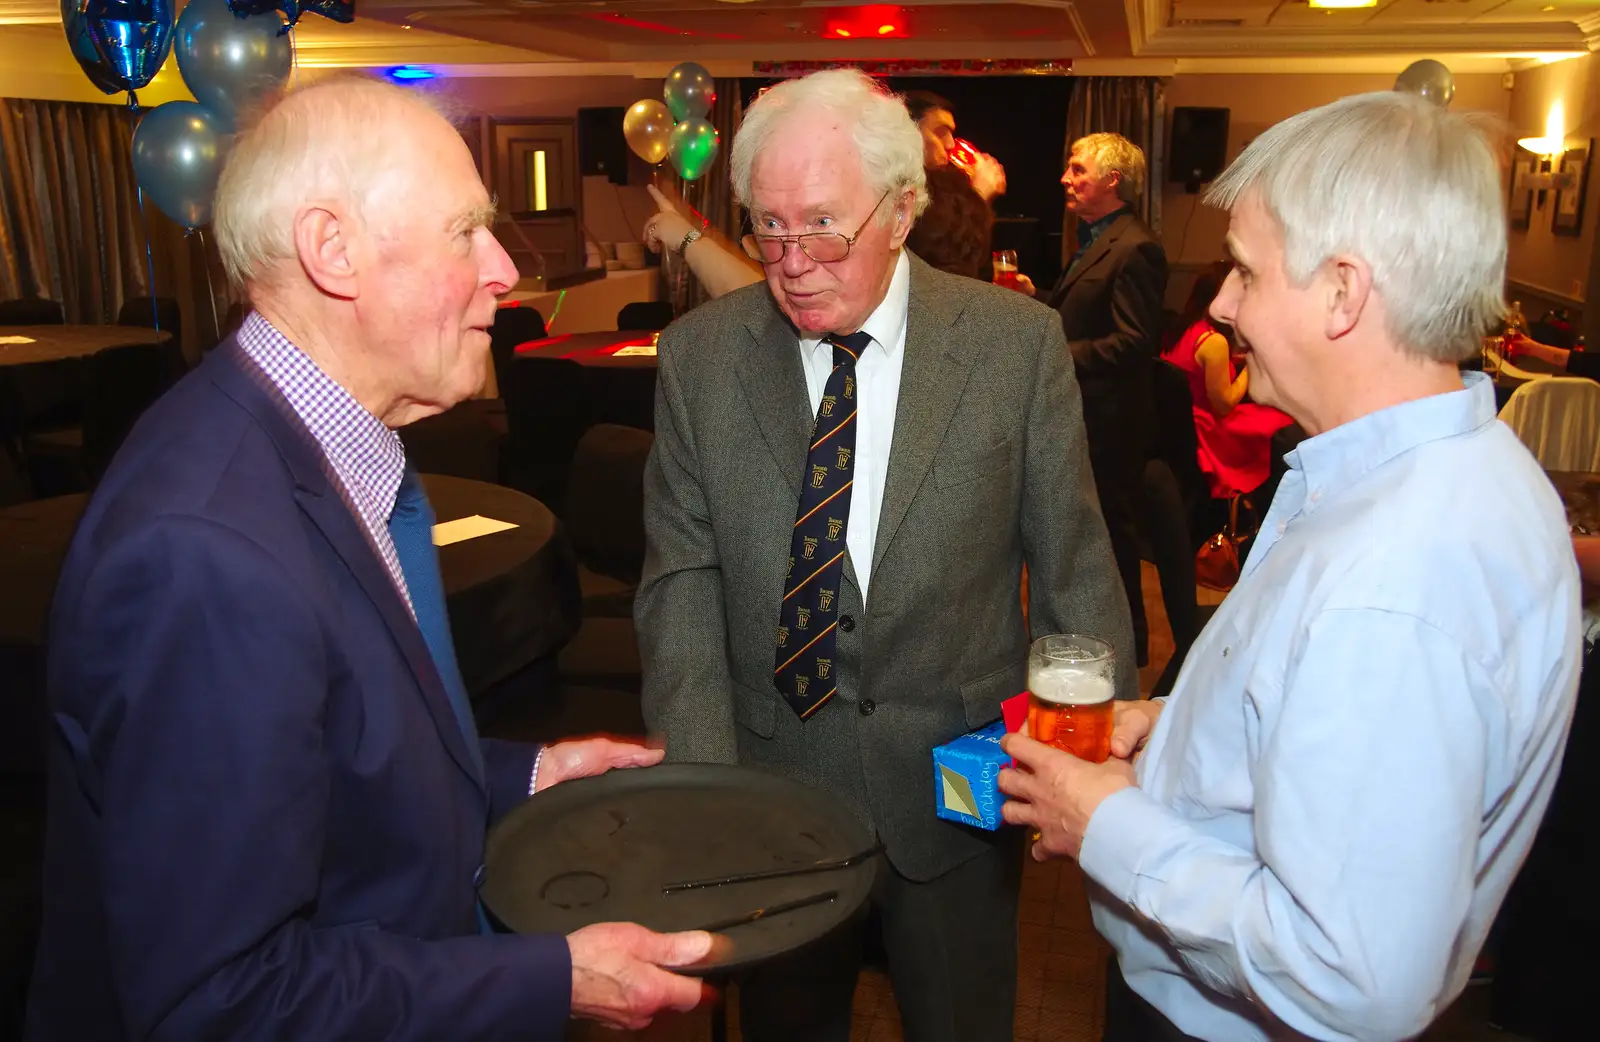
[(643, 37)]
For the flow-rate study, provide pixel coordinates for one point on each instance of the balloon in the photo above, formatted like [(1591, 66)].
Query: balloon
[(131, 39), (647, 126), (1430, 79), (228, 62), (338, 10), (83, 47), (689, 91), (177, 155), (693, 147)]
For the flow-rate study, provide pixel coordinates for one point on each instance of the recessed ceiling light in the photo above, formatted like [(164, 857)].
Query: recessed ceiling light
[(1342, 5)]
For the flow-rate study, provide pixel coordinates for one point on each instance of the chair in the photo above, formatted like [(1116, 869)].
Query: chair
[(30, 311), (604, 516), (650, 315), (120, 384), (140, 311), (547, 411), (512, 326), (1558, 419)]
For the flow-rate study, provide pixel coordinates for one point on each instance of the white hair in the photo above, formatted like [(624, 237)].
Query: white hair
[(326, 141), (888, 141), (1406, 186)]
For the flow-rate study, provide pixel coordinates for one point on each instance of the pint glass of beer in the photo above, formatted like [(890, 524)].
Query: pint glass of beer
[(1005, 268), (1069, 694)]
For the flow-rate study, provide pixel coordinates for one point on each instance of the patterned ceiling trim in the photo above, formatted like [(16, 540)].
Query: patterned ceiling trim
[(920, 67)]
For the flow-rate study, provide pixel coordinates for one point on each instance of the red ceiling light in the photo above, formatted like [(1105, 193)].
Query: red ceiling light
[(885, 30), (873, 21), (841, 31)]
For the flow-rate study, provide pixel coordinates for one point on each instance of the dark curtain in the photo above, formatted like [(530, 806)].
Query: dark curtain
[(1136, 108), (711, 195), (70, 225)]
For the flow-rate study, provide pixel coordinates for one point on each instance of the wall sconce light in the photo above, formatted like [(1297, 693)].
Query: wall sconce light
[(1550, 148)]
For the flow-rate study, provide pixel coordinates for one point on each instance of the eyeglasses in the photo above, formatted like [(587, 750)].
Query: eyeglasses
[(822, 247)]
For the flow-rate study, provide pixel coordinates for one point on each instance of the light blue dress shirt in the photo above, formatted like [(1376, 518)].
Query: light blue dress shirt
[(1358, 751)]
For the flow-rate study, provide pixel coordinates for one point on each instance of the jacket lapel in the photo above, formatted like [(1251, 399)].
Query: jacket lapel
[(933, 375), (320, 498), (1092, 257), (775, 383)]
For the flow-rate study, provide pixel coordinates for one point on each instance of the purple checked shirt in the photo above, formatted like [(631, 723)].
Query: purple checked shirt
[(367, 457)]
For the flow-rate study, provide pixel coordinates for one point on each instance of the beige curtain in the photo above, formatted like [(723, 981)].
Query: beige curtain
[(70, 224), (712, 194), (1136, 108)]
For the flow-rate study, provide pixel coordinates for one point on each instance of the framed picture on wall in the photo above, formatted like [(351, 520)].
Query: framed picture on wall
[(1568, 219), (1520, 209)]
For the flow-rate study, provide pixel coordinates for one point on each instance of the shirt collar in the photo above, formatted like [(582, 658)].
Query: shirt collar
[(1337, 458), (1089, 231), (368, 457), (887, 323)]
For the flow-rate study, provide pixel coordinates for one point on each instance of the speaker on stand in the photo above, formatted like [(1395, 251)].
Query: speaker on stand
[(602, 150), (1199, 146)]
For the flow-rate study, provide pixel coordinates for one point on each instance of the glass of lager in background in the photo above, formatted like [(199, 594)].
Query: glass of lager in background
[(1069, 694)]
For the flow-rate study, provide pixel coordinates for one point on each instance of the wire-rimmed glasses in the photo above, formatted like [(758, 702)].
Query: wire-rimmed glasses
[(822, 247)]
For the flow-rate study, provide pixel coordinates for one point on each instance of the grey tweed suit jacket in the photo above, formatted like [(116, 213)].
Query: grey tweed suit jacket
[(988, 470)]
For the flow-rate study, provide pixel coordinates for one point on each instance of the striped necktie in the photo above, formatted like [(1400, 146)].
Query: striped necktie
[(805, 670)]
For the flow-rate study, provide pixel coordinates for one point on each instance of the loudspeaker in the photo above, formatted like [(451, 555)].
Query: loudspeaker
[(601, 146), (1199, 146)]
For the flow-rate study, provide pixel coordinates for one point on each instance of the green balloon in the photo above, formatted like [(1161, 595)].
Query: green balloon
[(693, 147), (689, 91)]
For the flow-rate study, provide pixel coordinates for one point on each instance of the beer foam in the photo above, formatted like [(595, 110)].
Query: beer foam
[(1070, 686)]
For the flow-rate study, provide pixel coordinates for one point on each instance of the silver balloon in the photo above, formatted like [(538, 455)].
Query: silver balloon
[(1429, 78), (230, 62), (177, 156)]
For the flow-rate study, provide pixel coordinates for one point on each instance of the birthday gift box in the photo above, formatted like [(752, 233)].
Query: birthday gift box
[(966, 770)]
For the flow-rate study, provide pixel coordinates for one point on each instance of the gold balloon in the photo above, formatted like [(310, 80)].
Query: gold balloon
[(648, 128)]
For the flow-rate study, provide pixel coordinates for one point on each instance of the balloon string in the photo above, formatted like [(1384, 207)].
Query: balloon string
[(294, 54), (211, 294), (149, 257)]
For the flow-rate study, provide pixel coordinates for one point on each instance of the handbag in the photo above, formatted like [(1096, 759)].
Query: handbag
[(1216, 564)]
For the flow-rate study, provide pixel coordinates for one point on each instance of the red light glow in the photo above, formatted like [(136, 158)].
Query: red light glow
[(885, 30), (872, 21), (842, 32)]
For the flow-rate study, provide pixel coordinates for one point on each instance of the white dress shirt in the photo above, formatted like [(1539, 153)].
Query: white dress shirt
[(878, 380)]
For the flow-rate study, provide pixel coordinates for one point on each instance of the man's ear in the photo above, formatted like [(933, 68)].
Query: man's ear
[(1349, 287), (323, 243), (904, 207)]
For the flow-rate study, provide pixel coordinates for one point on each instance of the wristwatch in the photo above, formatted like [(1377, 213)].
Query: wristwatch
[(694, 233)]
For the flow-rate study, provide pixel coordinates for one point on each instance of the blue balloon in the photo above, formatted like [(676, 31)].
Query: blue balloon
[(131, 38), (177, 157), (83, 47), (231, 63), (338, 10)]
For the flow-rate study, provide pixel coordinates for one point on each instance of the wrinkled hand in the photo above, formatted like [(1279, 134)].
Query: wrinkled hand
[(988, 176), (1132, 725), (1056, 793), (1025, 285), (588, 757), (667, 227), (617, 977)]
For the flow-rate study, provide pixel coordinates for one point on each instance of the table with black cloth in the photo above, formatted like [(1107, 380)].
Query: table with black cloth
[(44, 373), (621, 386), (513, 596)]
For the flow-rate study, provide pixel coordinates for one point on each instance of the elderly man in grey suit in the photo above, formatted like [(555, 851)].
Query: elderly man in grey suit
[(852, 465)]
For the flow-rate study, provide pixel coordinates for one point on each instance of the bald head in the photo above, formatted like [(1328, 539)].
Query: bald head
[(349, 141)]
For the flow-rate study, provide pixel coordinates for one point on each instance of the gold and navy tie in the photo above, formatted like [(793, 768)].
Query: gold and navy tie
[(806, 673)]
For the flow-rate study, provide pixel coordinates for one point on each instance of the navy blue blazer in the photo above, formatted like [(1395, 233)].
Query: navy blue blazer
[(264, 822)]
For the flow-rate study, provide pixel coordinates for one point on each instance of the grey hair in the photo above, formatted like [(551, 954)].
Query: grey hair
[(888, 141), (1409, 188), (1113, 153), (325, 141)]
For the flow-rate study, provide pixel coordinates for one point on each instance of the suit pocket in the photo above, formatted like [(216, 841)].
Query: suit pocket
[(756, 710), (981, 696), (996, 459)]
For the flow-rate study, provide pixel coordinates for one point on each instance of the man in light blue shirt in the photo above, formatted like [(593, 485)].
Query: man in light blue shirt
[(1356, 756)]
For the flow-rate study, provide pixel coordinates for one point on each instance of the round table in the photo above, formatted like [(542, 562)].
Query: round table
[(513, 595), (45, 372), (620, 368), (59, 343)]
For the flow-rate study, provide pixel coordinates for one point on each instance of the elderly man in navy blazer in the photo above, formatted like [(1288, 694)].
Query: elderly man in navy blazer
[(268, 798)]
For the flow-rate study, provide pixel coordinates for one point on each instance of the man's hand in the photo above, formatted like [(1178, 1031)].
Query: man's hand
[(617, 977), (988, 176), (1025, 285), (1133, 724), (588, 757), (668, 226), (1056, 793)]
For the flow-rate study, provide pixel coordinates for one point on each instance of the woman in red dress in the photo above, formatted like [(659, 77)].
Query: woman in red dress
[(1235, 435)]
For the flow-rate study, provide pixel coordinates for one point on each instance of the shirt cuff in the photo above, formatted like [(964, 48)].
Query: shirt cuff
[(1125, 830)]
